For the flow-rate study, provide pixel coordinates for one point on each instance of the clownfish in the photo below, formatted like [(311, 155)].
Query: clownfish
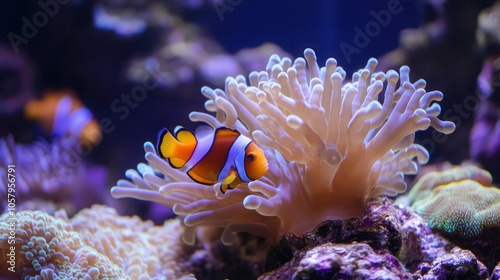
[(62, 114), (213, 156)]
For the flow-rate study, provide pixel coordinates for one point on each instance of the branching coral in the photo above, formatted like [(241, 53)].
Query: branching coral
[(459, 200), (331, 145), (95, 244)]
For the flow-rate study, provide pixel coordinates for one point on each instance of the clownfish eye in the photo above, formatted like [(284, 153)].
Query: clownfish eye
[(250, 157)]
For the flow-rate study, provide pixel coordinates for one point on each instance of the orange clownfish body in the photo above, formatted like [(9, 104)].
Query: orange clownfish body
[(213, 156), (61, 113)]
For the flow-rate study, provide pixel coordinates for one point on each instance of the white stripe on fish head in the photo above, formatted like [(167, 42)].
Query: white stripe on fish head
[(237, 150), (60, 123)]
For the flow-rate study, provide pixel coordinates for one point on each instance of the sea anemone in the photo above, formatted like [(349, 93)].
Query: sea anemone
[(43, 170), (49, 176), (331, 145)]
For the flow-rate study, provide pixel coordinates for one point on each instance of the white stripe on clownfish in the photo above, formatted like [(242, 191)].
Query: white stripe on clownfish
[(205, 139), (239, 162), (237, 148), (66, 121)]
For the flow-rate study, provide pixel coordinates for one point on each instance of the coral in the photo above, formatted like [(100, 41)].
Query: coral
[(49, 246), (129, 18), (331, 145), (150, 253), (459, 200), (485, 133), (95, 244), (488, 32)]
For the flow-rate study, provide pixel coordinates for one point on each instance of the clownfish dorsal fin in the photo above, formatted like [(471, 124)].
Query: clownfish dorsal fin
[(224, 131), (187, 142), (203, 131), (185, 137)]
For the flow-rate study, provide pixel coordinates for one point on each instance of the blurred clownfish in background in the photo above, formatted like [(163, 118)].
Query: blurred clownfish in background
[(62, 114), (213, 156)]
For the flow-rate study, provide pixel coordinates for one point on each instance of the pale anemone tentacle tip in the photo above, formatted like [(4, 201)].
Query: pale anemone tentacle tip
[(331, 145)]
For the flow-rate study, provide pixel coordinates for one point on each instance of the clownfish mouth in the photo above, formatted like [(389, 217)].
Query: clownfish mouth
[(265, 168)]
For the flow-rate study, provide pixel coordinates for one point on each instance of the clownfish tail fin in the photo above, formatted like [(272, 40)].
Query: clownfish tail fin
[(166, 144), (177, 149)]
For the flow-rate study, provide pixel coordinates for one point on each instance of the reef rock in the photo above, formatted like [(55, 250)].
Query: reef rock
[(458, 264), (391, 238), (343, 261), (495, 275)]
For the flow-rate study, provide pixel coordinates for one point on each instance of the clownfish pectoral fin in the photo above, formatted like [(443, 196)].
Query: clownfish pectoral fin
[(224, 132), (230, 178), (224, 188), (232, 185), (230, 182)]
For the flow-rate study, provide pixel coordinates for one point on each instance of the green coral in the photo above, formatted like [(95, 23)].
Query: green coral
[(460, 200)]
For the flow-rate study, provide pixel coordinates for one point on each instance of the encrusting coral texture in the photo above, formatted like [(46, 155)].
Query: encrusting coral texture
[(459, 200), (331, 145), (95, 244)]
